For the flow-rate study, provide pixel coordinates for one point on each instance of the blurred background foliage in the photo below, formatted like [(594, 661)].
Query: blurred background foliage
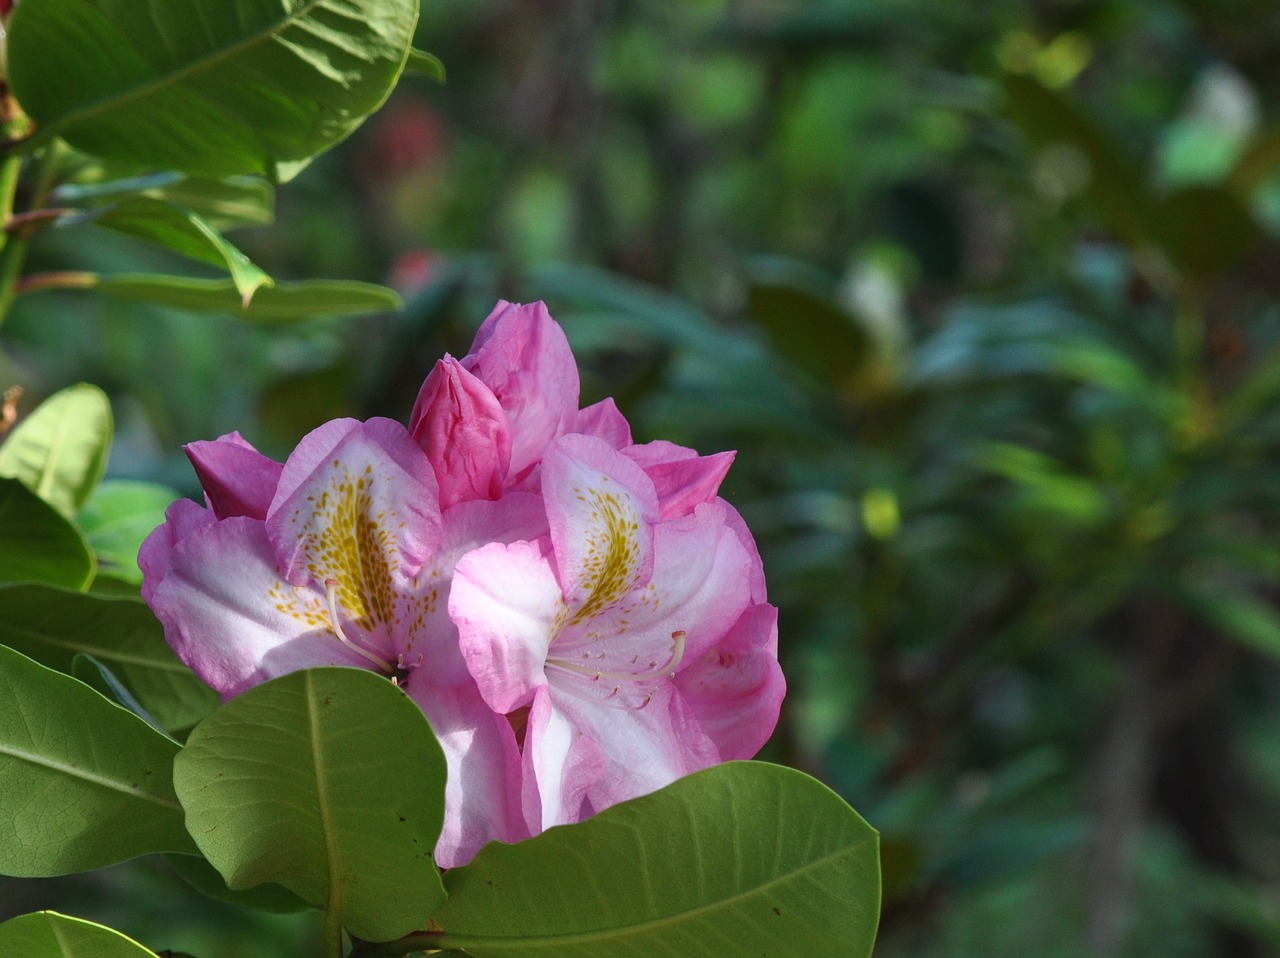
[(984, 292)]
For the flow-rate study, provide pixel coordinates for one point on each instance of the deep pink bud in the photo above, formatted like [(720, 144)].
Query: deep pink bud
[(523, 356), (465, 433)]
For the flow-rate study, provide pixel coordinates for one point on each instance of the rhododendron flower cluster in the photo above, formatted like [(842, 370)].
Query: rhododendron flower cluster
[(581, 618)]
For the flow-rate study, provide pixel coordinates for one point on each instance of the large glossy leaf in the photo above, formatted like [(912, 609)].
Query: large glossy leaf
[(744, 858), (225, 203), (37, 544), (203, 877), (184, 232), (118, 516), (53, 626), (213, 87), (328, 782), (60, 449), (46, 934), (83, 782), (284, 301)]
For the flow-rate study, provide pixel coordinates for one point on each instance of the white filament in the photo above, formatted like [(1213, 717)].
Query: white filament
[(331, 596), (666, 670)]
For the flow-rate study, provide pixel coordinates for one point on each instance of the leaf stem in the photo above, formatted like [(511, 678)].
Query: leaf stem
[(60, 279), (13, 247)]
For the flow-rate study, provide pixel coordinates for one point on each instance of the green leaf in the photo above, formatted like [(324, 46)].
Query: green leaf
[(204, 878), (1260, 161), (60, 449), (740, 858), (226, 203), (1250, 621), (425, 64), (1045, 486), (102, 680), (37, 544), (213, 87), (1110, 179), (53, 626), (328, 782), (83, 782), (119, 515), (813, 333), (1204, 230), (182, 231), (46, 934), (284, 301)]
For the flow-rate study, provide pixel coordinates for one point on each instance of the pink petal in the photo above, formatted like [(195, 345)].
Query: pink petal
[(739, 526), (657, 452), (707, 584), (467, 526), (613, 754), (622, 656), (522, 355), (482, 791), (735, 689), (459, 423), (683, 484), (604, 421), (601, 508), (180, 518), (239, 480), (232, 619), (357, 504), (561, 765), (506, 604)]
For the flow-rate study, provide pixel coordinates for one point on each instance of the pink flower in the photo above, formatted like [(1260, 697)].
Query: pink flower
[(349, 565), (634, 641), (581, 618)]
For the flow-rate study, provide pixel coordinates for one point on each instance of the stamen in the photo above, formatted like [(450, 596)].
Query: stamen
[(666, 670), (331, 597)]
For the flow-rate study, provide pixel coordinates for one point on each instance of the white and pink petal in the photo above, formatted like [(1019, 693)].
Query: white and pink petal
[(507, 605), (562, 763), (180, 519), (357, 511), (483, 787), (233, 619), (601, 509), (735, 689)]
